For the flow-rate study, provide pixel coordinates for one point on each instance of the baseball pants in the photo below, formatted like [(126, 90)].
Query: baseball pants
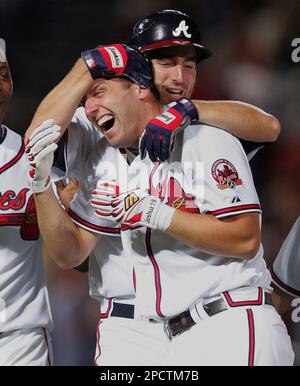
[(239, 336)]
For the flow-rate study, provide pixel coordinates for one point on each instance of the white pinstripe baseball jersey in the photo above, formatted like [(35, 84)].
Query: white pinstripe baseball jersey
[(170, 276)]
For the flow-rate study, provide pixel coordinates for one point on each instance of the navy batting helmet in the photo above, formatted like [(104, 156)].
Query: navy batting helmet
[(168, 28)]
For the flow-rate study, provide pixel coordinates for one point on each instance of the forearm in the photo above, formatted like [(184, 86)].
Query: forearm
[(60, 104), (63, 239), (240, 119), (281, 300), (237, 236)]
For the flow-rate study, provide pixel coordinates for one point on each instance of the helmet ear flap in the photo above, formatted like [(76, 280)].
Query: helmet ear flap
[(168, 28)]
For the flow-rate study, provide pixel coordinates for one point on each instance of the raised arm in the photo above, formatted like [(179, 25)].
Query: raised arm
[(61, 103), (240, 119)]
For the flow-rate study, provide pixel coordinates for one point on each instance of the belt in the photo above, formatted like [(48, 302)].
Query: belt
[(184, 321)]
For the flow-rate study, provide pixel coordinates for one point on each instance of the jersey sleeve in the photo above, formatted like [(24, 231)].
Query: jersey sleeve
[(74, 147), (286, 267), (222, 180)]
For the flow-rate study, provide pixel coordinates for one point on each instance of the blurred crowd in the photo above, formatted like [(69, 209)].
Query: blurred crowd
[(251, 42)]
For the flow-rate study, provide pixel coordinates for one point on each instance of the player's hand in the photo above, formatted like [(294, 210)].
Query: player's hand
[(135, 208), (158, 134), (115, 59), (66, 192), (39, 151)]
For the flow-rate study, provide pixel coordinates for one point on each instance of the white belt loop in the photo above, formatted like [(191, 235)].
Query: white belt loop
[(197, 311)]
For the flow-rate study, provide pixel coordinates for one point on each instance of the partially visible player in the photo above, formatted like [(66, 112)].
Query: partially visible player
[(286, 270), (165, 37), (25, 317)]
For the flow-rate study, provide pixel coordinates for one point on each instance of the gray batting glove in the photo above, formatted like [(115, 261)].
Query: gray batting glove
[(39, 151)]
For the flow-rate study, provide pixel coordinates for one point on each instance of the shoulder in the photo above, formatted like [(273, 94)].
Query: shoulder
[(202, 133)]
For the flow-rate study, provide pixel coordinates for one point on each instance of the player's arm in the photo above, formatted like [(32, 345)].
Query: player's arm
[(281, 300), (60, 104), (66, 243), (241, 119), (235, 236), (66, 192)]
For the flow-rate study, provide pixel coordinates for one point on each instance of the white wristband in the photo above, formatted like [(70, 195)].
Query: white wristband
[(40, 186), (164, 217)]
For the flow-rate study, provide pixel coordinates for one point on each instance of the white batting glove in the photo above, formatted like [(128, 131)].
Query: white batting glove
[(40, 153), (135, 208)]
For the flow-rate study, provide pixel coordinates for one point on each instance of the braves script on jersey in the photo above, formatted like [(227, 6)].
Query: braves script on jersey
[(23, 293)]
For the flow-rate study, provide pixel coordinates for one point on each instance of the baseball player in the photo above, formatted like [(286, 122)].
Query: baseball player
[(234, 279), (174, 81), (162, 37), (286, 270), (175, 77), (25, 317), (106, 263)]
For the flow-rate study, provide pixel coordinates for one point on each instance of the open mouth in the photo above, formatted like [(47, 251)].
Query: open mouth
[(174, 92), (106, 122)]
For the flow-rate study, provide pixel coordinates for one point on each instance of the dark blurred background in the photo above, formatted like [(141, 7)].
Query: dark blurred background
[(252, 62)]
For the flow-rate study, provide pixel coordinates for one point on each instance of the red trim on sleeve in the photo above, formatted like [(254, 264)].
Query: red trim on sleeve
[(283, 286), (235, 209), (91, 226)]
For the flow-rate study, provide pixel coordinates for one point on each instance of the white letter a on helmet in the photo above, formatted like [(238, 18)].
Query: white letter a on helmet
[(182, 28)]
